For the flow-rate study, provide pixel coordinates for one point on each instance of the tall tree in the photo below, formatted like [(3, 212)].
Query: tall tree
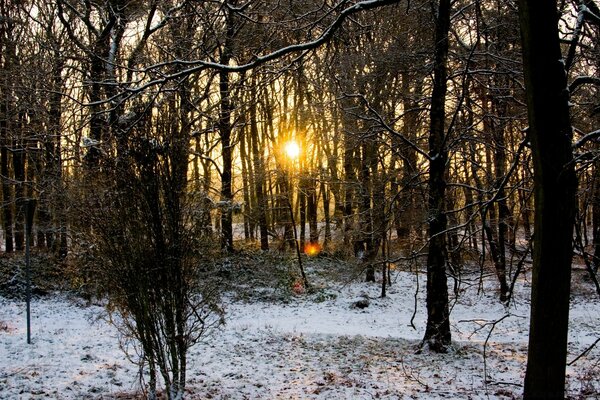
[(259, 170), (555, 187), (225, 131), (437, 332)]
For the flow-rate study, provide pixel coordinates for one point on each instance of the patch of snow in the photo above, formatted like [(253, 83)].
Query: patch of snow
[(303, 349)]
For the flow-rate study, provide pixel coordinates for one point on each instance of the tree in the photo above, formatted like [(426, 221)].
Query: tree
[(225, 130), (437, 332), (153, 261), (555, 187)]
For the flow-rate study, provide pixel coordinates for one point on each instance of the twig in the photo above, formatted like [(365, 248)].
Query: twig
[(412, 318), (485, 375), (519, 268), (584, 352), (578, 242), (411, 376)]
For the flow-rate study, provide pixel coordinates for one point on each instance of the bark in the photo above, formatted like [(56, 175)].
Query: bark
[(7, 200), (500, 215), (504, 215), (248, 198), (225, 130), (54, 161), (18, 158), (437, 332), (259, 174), (7, 54), (555, 186), (302, 210), (7, 193), (596, 217), (406, 208), (326, 207), (349, 161), (311, 210), (366, 211), (97, 73)]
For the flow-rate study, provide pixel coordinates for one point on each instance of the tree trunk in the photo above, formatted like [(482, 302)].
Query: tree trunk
[(54, 160), (437, 332), (326, 206), (19, 171), (248, 198), (311, 209), (225, 130), (406, 209), (555, 187), (259, 174), (302, 209), (366, 211), (7, 194), (596, 216), (349, 161)]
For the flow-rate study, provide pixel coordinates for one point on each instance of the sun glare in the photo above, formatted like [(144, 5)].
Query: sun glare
[(292, 150), (312, 249)]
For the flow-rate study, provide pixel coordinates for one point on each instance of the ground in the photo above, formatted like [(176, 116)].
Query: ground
[(277, 344)]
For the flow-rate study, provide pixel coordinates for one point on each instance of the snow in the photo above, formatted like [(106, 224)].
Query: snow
[(315, 346)]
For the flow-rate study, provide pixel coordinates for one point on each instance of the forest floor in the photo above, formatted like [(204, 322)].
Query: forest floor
[(315, 345)]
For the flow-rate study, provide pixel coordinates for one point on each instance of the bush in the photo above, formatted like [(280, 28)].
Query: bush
[(148, 253)]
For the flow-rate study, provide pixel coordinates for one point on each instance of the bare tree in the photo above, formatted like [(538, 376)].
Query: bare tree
[(437, 333), (555, 186)]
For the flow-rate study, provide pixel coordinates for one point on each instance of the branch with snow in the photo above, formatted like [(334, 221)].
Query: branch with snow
[(583, 80), (586, 138), (195, 66)]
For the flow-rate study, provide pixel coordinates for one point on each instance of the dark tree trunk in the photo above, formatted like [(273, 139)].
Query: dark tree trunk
[(437, 332), (98, 125), (54, 162), (207, 225), (596, 216), (555, 186), (326, 207), (7, 200), (259, 175), (19, 171), (366, 210), (503, 211), (248, 197), (454, 245), (406, 208), (225, 130), (47, 163), (302, 210), (524, 203), (349, 161), (311, 210), (7, 194)]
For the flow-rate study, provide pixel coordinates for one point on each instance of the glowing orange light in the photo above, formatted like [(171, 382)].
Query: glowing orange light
[(292, 149), (298, 287), (312, 249)]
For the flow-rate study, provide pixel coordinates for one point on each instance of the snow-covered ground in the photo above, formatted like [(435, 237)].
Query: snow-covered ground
[(312, 347)]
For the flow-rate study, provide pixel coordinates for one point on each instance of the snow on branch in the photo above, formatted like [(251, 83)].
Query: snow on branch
[(583, 80), (592, 13), (586, 138), (200, 65)]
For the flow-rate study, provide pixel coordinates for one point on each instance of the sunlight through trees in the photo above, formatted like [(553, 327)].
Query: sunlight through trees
[(163, 140)]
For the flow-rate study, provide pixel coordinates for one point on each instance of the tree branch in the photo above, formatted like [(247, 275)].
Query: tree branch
[(199, 65), (583, 80)]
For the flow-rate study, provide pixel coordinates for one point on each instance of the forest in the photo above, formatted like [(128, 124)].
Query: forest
[(155, 154)]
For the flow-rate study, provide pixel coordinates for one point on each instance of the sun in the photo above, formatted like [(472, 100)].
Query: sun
[(292, 149)]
